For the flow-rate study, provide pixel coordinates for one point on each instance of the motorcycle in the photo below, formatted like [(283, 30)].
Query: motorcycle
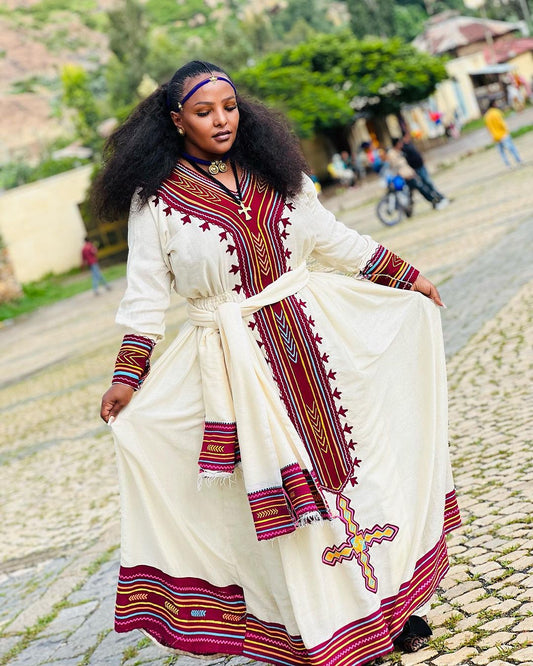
[(397, 202)]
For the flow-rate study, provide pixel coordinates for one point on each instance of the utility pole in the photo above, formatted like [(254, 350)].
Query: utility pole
[(524, 6)]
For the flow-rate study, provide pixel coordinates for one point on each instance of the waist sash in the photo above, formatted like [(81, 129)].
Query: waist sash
[(245, 420)]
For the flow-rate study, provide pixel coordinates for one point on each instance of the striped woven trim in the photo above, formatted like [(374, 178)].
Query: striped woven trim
[(220, 448), (388, 269), (452, 517), (302, 492), (196, 616), (133, 361), (271, 513)]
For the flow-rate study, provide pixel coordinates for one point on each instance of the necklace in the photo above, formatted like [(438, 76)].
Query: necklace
[(243, 210), (213, 166)]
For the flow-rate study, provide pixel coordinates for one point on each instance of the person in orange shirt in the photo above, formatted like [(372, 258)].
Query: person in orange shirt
[(500, 133)]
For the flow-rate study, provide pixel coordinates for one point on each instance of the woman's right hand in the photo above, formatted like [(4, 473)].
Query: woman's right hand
[(114, 400)]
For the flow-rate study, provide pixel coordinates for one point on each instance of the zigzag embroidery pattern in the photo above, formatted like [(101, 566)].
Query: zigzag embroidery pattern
[(286, 336), (358, 542), (388, 269), (132, 362)]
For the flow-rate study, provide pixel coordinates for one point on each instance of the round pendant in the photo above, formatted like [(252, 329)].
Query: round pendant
[(214, 168), (222, 167)]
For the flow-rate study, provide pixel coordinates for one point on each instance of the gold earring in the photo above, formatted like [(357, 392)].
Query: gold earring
[(181, 132)]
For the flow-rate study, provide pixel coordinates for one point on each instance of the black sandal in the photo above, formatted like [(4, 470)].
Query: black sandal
[(414, 636)]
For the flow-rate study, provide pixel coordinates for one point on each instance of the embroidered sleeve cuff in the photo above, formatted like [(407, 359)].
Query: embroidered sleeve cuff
[(388, 269), (133, 361)]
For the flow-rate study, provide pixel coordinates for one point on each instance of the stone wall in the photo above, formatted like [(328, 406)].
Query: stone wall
[(9, 286)]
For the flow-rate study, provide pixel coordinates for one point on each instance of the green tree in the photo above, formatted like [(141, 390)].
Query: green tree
[(512, 10), (165, 55), (257, 30), (320, 83), (409, 20), (230, 48), (128, 43), (372, 17), (311, 12), (77, 95)]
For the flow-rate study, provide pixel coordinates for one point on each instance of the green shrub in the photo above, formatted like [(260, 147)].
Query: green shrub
[(42, 11), (163, 12), (32, 83), (14, 174)]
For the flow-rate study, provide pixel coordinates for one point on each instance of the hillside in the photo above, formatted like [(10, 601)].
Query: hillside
[(37, 37), (40, 36)]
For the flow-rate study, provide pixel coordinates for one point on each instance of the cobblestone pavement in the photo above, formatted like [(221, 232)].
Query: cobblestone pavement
[(58, 488)]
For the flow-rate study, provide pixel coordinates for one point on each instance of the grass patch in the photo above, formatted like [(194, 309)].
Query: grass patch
[(479, 123), (32, 632), (521, 130), (87, 656), (105, 557), (53, 288), (473, 125)]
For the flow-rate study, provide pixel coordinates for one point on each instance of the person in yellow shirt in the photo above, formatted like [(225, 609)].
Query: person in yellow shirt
[(500, 133)]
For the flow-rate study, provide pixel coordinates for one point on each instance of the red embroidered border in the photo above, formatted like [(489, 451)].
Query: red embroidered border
[(193, 615), (307, 389), (220, 448), (133, 360), (452, 517), (303, 492), (182, 613), (388, 269), (271, 512)]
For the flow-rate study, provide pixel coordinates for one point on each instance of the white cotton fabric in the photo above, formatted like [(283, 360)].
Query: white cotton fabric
[(386, 348)]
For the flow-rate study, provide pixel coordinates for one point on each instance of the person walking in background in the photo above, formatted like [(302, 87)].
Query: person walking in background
[(416, 161), (273, 466), (89, 257), (499, 131)]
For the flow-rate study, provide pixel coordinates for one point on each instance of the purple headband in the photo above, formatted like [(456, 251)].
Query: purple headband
[(212, 78)]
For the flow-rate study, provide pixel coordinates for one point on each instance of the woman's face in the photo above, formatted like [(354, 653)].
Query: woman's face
[(209, 118)]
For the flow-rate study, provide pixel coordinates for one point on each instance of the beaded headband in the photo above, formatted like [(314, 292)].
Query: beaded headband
[(211, 78)]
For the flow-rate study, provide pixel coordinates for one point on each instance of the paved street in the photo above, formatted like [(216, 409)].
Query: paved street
[(58, 487)]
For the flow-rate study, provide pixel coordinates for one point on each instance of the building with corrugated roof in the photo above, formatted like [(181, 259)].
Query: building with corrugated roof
[(485, 57)]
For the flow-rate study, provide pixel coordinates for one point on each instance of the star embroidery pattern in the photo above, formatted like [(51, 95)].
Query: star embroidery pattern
[(358, 542)]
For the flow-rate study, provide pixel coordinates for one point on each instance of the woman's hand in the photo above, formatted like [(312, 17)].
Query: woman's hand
[(424, 286), (114, 400)]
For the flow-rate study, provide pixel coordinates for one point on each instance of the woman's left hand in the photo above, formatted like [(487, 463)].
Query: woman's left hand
[(424, 286)]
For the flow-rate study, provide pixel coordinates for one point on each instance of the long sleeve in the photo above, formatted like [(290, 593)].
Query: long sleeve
[(142, 309), (334, 244), (132, 364), (343, 248)]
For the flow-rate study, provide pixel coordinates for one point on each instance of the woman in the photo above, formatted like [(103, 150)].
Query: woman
[(284, 470)]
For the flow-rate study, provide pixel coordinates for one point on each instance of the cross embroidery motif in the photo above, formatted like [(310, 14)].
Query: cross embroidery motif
[(358, 543), (245, 210)]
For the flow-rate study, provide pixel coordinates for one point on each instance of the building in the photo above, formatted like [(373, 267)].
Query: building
[(483, 57)]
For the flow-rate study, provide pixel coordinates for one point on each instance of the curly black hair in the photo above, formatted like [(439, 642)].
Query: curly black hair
[(142, 152)]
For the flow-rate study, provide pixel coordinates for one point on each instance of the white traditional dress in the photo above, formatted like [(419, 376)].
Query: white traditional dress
[(285, 480)]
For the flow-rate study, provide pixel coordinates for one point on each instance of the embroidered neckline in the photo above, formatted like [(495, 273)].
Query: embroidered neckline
[(190, 172)]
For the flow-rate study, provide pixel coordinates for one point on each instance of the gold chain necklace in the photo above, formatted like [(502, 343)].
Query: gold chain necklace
[(243, 209)]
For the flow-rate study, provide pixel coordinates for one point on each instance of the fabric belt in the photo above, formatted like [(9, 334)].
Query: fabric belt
[(286, 285), (244, 414)]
